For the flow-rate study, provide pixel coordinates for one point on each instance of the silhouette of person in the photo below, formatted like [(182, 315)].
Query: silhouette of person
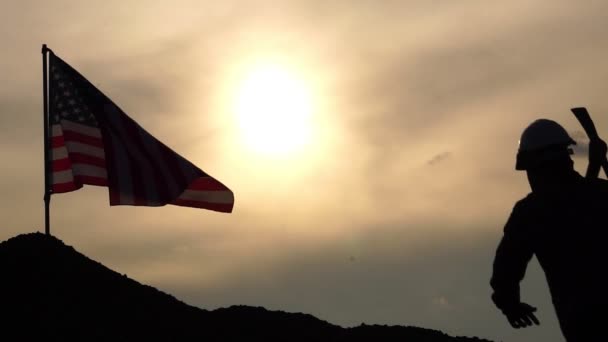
[(563, 221)]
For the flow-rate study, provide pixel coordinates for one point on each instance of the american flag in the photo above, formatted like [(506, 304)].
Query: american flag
[(94, 142)]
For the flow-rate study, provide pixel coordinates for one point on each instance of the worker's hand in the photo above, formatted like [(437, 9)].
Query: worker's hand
[(521, 315)]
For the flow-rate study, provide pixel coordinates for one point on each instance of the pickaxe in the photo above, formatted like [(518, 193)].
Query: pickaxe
[(597, 147)]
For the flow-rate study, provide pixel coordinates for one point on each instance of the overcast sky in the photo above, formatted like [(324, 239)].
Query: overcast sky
[(390, 215)]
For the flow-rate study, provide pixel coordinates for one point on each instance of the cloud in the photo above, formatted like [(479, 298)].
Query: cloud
[(438, 158), (578, 135), (441, 302), (367, 232), (581, 150)]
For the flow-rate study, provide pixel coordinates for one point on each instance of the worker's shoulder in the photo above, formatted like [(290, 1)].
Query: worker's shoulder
[(526, 203), (596, 187), (530, 197), (597, 183), (532, 202), (586, 187)]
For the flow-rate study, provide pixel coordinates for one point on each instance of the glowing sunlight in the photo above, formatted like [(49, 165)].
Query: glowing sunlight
[(273, 107)]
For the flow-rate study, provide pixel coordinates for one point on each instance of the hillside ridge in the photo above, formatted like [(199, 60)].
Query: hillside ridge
[(51, 290)]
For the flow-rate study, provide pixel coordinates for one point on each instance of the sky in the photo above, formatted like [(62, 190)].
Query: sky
[(389, 209)]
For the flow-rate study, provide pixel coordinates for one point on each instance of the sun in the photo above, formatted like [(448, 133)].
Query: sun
[(273, 107)]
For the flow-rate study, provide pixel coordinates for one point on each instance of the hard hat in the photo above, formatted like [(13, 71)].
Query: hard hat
[(542, 140)]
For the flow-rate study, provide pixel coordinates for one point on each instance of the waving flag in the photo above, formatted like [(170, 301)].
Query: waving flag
[(94, 142)]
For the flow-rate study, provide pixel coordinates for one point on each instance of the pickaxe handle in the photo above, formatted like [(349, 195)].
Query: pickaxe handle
[(584, 118)]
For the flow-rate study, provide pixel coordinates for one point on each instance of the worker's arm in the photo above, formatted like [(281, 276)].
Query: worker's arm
[(512, 257)]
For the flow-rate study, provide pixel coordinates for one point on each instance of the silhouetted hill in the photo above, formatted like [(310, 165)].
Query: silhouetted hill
[(49, 290)]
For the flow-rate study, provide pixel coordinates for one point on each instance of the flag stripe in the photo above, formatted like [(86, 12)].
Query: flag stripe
[(67, 175), (57, 141), (71, 186), (68, 125), (89, 170), (81, 138), (56, 131), (79, 132), (206, 183), (59, 153), (65, 187), (225, 208), (62, 165), (207, 196), (92, 180), (93, 151), (76, 157), (63, 176)]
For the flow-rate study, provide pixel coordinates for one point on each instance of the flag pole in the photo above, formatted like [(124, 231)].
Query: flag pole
[(47, 180)]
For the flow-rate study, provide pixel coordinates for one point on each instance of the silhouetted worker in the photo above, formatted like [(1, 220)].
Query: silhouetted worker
[(564, 222)]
